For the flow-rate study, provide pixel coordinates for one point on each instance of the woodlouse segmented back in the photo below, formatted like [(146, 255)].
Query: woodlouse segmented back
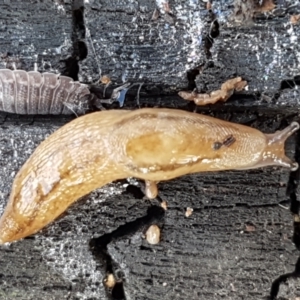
[(31, 92)]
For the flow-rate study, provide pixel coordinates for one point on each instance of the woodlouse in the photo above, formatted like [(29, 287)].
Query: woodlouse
[(32, 92), (36, 93)]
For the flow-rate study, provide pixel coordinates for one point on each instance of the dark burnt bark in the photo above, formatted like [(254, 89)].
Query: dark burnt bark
[(239, 238)]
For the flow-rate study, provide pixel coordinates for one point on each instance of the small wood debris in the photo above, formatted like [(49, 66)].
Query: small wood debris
[(153, 235), (188, 212), (164, 205), (266, 5), (294, 19), (227, 89), (249, 227), (110, 281), (105, 79)]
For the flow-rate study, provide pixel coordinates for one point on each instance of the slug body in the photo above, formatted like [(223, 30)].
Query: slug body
[(150, 144)]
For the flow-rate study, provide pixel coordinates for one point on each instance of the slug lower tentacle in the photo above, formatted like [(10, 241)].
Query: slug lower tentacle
[(150, 144)]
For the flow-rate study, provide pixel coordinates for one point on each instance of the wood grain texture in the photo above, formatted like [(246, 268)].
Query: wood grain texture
[(213, 254), (209, 254), (29, 38)]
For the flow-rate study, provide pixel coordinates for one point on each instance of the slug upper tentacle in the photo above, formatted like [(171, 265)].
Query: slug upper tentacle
[(274, 150), (150, 144)]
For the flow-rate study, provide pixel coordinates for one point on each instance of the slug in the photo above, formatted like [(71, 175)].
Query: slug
[(151, 144)]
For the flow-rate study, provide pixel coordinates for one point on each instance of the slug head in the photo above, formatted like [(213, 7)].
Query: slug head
[(274, 154)]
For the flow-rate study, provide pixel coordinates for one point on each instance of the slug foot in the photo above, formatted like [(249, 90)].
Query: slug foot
[(151, 189)]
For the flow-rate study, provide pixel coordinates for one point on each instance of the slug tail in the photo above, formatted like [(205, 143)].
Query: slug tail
[(10, 228)]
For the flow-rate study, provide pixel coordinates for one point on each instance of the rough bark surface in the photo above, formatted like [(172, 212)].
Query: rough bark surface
[(35, 34), (238, 239)]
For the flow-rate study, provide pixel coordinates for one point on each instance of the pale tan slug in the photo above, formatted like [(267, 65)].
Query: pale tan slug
[(150, 144)]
